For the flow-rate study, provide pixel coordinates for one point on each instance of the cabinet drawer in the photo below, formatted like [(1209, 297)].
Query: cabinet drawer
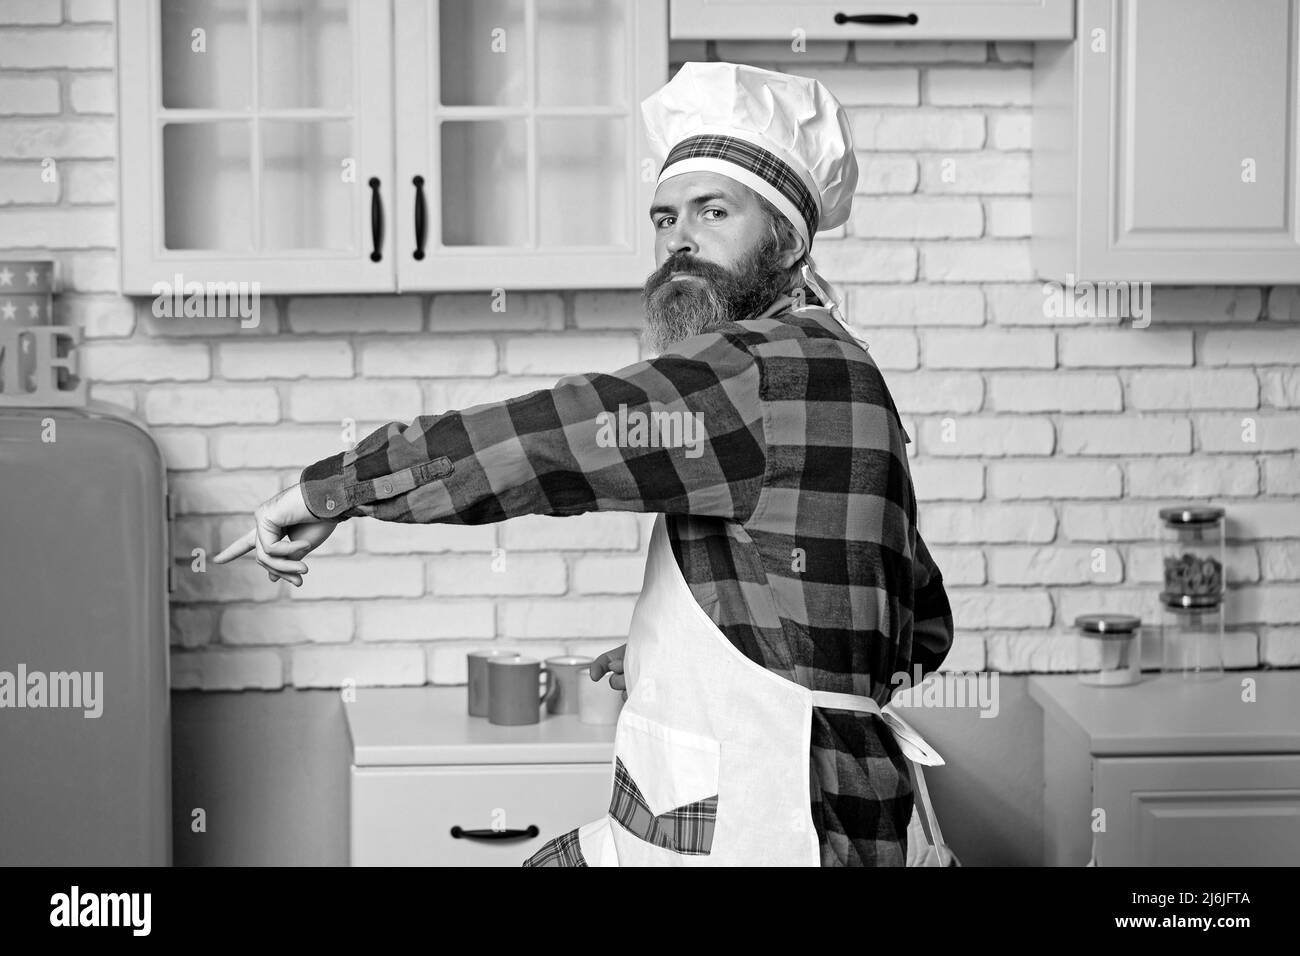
[(403, 816), (934, 20), (1199, 810)]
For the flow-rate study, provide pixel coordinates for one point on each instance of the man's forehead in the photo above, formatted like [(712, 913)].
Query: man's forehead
[(687, 186)]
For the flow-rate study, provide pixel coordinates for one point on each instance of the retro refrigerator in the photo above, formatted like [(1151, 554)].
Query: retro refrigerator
[(85, 760)]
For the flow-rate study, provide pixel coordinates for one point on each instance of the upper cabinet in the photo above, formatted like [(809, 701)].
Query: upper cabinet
[(1165, 144), (917, 20), (521, 156), (387, 145), (256, 143)]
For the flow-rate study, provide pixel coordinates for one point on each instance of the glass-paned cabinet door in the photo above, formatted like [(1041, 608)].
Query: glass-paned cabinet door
[(521, 157), (256, 144)]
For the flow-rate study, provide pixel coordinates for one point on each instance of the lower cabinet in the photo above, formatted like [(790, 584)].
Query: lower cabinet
[(405, 816), (1171, 772), (1199, 811)]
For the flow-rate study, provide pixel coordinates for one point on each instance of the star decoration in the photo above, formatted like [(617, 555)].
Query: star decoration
[(34, 311), (8, 311), (6, 277), (32, 276)]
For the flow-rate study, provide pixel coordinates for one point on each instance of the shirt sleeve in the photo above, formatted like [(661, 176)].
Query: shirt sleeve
[(679, 434), (932, 626)]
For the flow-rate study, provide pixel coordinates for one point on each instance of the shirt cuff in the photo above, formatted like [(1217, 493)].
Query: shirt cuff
[(323, 489)]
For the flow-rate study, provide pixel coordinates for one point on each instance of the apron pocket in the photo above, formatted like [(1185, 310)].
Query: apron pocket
[(665, 784)]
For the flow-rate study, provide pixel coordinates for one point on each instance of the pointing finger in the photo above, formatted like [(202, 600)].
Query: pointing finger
[(240, 547)]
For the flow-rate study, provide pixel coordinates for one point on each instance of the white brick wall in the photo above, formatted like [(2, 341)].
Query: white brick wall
[(1044, 444)]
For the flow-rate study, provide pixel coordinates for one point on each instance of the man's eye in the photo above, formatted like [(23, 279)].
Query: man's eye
[(721, 212), (663, 222)]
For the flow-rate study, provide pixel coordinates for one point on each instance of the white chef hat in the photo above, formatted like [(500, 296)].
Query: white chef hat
[(786, 137)]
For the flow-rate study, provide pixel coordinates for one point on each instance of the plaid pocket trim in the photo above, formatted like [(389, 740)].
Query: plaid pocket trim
[(564, 850), (686, 829)]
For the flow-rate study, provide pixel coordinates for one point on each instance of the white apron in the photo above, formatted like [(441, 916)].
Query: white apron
[(711, 750)]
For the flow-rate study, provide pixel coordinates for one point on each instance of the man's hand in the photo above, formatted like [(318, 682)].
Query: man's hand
[(284, 515), (611, 661)]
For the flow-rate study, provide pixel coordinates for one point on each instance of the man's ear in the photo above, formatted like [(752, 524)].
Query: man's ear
[(793, 254)]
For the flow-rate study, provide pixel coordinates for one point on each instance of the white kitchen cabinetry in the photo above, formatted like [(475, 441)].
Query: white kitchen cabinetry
[(256, 144), (521, 157), (1166, 144), (1190, 811), (372, 145), (917, 20), (1186, 772), (432, 786)]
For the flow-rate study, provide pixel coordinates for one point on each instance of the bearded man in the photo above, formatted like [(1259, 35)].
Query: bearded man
[(786, 582)]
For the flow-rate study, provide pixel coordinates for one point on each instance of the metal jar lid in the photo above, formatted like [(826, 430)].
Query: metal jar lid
[(1191, 515), (1115, 626), (1190, 602)]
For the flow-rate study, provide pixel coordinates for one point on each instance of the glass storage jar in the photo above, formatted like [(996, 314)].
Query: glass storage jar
[(1109, 649), (1191, 627), (1193, 546), (1191, 636)]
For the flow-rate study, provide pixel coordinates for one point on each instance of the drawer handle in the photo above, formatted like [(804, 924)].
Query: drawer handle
[(462, 834), (878, 19)]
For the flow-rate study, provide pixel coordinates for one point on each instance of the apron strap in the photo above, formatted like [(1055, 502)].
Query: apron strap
[(912, 744), (927, 808), (836, 701)]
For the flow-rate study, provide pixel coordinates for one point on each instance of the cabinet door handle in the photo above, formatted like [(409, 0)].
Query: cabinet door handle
[(376, 221), (461, 834), (420, 227), (878, 19)]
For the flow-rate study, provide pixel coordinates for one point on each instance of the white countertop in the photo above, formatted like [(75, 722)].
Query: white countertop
[(423, 726), (1168, 714)]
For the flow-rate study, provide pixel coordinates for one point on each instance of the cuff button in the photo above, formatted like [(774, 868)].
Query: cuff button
[(329, 504), (387, 487)]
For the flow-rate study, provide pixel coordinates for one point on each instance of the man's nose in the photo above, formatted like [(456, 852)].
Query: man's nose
[(681, 240)]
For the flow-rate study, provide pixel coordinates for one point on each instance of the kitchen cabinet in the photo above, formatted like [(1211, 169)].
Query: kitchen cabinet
[(916, 20), (1179, 772), (256, 144), (521, 156), (1166, 144), (387, 145), (430, 785)]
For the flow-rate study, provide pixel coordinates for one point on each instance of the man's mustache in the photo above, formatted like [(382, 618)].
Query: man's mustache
[(687, 265)]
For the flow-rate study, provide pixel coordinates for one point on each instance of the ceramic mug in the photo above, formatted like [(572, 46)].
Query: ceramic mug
[(478, 677), (598, 702), (513, 695), (565, 672)]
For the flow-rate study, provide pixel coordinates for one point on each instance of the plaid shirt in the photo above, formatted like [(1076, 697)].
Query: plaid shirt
[(793, 520)]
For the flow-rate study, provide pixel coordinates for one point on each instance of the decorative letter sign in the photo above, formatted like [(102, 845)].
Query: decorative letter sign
[(30, 357)]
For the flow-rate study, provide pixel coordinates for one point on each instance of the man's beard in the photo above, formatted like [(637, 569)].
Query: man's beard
[(676, 310)]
